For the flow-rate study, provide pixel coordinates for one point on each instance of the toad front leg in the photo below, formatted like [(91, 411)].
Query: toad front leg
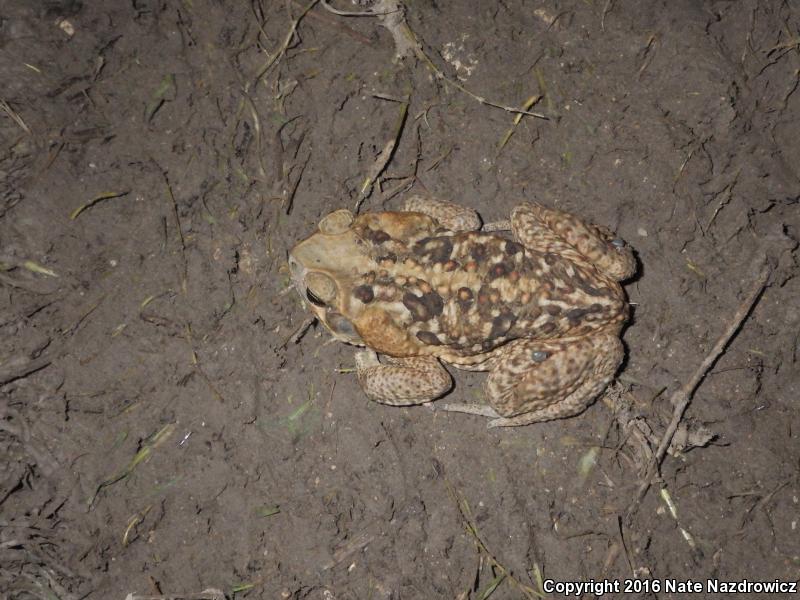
[(534, 381), (402, 381), (448, 214)]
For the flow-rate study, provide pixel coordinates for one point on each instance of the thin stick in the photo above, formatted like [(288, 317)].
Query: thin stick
[(391, 14), (333, 22), (285, 45), (681, 399), (383, 158), (299, 332)]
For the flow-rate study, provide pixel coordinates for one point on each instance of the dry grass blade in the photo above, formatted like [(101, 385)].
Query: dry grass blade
[(528, 103), (154, 442), (207, 594), (9, 262), (139, 517), (345, 13), (99, 198), (181, 240), (493, 585), (167, 90), (14, 116), (472, 529)]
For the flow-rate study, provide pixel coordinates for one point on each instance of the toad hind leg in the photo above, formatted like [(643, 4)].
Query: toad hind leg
[(544, 380), (403, 381), (549, 230), (536, 381)]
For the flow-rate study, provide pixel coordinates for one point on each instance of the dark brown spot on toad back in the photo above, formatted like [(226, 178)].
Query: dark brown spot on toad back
[(450, 265), (435, 249), (387, 258), (423, 307), (377, 236), (429, 338), (548, 328), (498, 270), (478, 252), (552, 309), (465, 298), (550, 258), (502, 324), (484, 294), (576, 314), (513, 247), (566, 289), (588, 289), (364, 293), (464, 294)]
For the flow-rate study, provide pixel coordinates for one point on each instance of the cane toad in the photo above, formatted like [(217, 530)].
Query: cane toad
[(540, 309)]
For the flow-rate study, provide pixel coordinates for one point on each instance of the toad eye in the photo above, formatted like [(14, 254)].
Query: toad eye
[(314, 299)]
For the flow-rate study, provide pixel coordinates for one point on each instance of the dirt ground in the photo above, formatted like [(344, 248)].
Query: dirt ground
[(164, 432)]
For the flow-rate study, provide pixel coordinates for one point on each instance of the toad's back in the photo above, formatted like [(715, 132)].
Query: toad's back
[(461, 294)]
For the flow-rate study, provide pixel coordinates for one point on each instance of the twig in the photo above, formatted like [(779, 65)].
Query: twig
[(424, 58), (333, 22), (681, 399), (528, 103), (383, 158), (391, 14), (285, 45), (299, 332)]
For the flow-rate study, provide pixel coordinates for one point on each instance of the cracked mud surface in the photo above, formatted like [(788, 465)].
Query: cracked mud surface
[(161, 433)]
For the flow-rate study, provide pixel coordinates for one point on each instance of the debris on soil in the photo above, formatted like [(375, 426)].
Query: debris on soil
[(162, 434)]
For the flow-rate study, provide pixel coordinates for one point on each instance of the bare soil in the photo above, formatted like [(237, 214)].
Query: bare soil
[(161, 431)]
